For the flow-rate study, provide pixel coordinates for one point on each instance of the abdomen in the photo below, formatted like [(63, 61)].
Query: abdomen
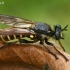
[(6, 38)]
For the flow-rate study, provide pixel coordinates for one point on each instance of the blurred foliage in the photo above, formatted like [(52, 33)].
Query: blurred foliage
[(50, 11)]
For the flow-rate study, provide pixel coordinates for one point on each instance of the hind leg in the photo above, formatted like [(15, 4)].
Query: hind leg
[(6, 44)]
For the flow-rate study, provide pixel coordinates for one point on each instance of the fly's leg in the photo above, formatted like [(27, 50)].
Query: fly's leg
[(20, 40), (26, 41), (49, 43), (5, 45), (49, 50)]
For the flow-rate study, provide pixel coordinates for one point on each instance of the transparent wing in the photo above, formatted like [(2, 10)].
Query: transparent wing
[(16, 31), (15, 21)]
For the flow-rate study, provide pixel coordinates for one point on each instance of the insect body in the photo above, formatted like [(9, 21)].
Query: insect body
[(13, 33), (36, 31)]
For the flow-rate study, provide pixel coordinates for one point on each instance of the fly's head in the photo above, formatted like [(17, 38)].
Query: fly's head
[(58, 31)]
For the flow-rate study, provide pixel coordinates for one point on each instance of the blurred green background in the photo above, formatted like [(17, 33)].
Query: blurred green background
[(50, 11)]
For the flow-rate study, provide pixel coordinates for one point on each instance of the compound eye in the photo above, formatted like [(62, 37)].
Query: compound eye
[(58, 26), (57, 35)]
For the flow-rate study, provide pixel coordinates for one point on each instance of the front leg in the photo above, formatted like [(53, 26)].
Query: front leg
[(51, 44)]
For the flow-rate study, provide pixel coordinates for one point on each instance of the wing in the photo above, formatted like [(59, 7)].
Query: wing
[(16, 31), (15, 21)]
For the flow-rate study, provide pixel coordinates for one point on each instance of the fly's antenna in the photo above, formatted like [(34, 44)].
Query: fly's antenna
[(64, 28)]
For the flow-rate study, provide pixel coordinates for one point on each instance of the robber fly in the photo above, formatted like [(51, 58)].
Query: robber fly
[(36, 31)]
